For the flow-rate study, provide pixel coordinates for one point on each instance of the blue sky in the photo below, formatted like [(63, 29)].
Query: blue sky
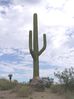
[(55, 18)]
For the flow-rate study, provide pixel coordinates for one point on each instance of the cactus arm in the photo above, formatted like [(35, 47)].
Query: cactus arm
[(44, 45), (30, 43)]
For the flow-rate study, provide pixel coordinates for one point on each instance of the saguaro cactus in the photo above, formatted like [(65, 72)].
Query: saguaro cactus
[(34, 50), (10, 77)]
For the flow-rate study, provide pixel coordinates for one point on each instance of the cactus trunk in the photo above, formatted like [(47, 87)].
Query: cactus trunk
[(36, 68), (34, 50)]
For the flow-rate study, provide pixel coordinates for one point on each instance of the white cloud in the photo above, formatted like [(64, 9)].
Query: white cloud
[(57, 3)]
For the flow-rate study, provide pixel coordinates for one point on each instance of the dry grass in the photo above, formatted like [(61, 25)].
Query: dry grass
[(24, 91), (15, 90), (6, 84), (59, 89)]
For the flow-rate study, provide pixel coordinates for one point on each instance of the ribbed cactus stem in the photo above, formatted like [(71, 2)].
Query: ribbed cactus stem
[(35, 33), (33, 46)]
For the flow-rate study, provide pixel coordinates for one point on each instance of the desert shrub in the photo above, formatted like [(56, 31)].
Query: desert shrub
[(24, 91), (69, 95), (6, 85), (66, 78), (48, 82), (15, 81), (10, 77), (57, 88)]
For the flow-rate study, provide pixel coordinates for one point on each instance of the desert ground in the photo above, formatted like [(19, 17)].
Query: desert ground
[(36, 95)]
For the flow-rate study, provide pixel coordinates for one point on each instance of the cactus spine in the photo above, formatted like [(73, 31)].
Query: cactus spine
[(34, 50)]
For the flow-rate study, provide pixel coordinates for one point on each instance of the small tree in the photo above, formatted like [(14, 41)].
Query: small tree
[(66, 78), (10, 77)]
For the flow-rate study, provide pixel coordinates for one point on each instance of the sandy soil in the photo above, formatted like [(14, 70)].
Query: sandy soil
[(35, 95)]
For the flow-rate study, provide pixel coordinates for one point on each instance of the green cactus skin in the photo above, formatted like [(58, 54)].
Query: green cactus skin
[(34, 50)]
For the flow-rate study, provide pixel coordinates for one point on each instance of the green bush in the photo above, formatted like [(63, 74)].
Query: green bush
[(66, 78), (6, 84)]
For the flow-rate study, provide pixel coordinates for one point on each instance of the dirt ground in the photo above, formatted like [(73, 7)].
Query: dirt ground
[(35, 95)]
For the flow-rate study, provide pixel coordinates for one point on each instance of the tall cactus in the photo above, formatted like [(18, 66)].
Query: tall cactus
[(34, 50)]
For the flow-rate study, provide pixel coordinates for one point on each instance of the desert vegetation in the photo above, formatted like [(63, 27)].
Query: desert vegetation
[(6, 85), (66, 83), (65, 87), (10, 77)]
